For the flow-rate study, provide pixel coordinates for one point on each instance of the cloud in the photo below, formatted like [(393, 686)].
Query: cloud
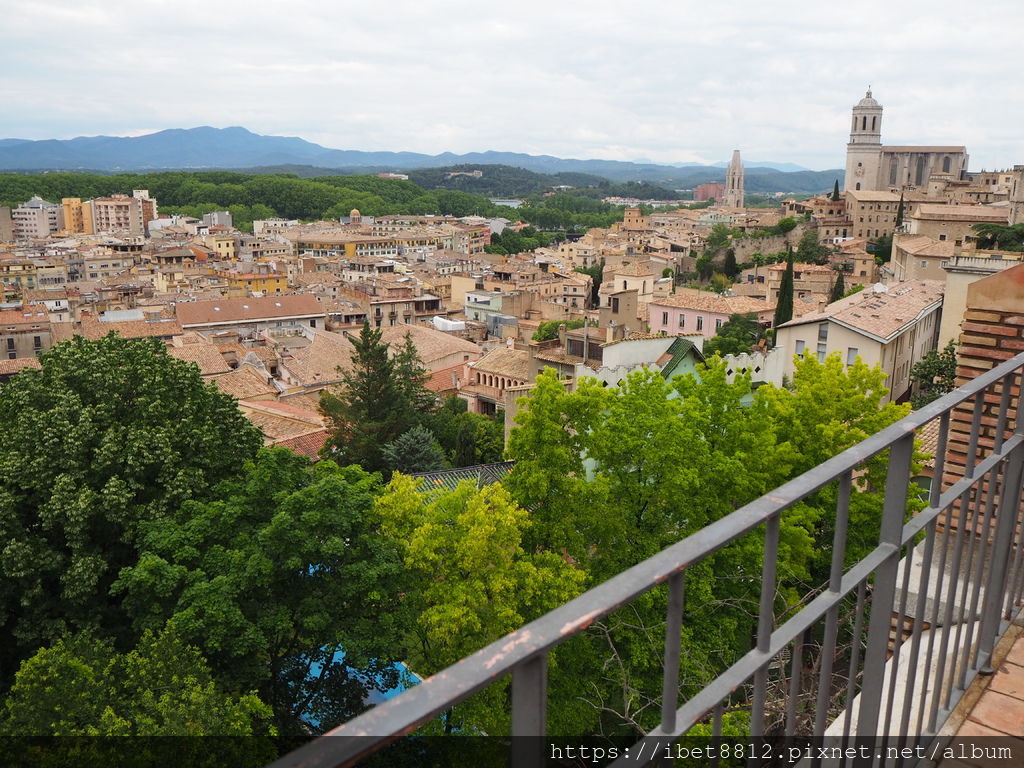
[(673, 82)]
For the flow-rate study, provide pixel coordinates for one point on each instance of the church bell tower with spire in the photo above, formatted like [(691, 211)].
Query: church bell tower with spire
[(734, 182), (864, 151)]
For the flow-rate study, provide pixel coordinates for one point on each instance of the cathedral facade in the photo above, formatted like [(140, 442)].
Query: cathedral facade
[(870, 165)]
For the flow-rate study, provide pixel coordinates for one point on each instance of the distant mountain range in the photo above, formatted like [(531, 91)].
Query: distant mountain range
[(206, 148)]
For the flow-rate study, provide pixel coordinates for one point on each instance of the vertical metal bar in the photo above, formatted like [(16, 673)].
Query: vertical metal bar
[(897, 645), (529, 711), (971, 650), (945, 619), (1004, 406), (765, 622), (673, 639), (940, 461), (972, 445), (796, 669), (1009, 503), (716, 732), (893, 512), (915, 643), (828, 647), (855, 644), (961, 652)]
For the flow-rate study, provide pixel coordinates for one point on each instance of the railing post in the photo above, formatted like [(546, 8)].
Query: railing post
[(884, 592), (529, 712), (1002, 544)]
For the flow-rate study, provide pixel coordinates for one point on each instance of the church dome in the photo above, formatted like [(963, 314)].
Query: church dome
[(868, 101)]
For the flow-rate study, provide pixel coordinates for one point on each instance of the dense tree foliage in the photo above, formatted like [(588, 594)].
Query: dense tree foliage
[(595, 469), (548, 330), (250, 196), (108, 437), (838, 287), (466, 438), (80, 686), (284, 570), (511, 241), (999, 237), (934, 375), (371, 408), (415, 451), (472, 579), (736, 336)]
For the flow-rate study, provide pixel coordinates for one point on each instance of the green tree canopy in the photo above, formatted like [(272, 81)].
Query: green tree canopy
[(415, 451), (80, 686), (548, 330), (373, 405), (934, 375), (736, 336), (272, 580), (106, 438), (838, 287)]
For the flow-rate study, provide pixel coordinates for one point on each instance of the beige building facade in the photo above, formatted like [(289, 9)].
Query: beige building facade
[(893, 327)]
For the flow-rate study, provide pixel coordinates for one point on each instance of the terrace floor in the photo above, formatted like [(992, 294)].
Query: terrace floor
[(998, 711)]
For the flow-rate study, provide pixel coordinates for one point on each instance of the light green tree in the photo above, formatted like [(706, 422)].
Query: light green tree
[(472, 581)]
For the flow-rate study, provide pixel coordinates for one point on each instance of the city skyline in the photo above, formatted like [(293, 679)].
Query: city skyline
[(662, 84)]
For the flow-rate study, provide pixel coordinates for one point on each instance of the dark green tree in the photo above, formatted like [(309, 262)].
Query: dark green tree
[(415, 451), (275, 578), (467, 438), (838, 287), (784, 303), (736, 336), (809, 250), (729, 267), (835, 192), (934, 375), (596, 272), (548, 330), (106, 439), (899, 212), (372, 406), (1000, 237)]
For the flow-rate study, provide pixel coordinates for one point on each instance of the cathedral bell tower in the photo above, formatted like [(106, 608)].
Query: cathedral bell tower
[(864, 152)]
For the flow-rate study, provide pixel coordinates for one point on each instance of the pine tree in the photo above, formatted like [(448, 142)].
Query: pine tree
[(784, 305), (835, 192), (838, 288), (372, 408), (415, 451)]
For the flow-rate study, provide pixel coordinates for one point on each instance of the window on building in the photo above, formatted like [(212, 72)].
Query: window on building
[(823, 332), (682, 320), (851, 355), (700, 323), (664, 318), (858, 185), (942, 237), (37, 342), (615, 305), (924, 265), (718, 323), (800, 345), (10, 343), (821, 353)]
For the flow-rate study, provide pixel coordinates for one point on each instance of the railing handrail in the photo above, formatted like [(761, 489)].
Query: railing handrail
[(400, 716)]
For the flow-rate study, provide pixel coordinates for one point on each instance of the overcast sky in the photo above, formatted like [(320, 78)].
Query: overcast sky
[(668, 81)]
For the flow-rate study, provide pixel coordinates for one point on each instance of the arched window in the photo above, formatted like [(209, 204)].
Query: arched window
[(919, 176), (864, 123), (893, 166), (873, 123), (858, 185), (945, 164)]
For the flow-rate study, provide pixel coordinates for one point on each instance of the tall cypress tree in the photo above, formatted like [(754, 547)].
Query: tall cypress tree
[(899, 211), (784, 306), (835, 192), (838, 288)]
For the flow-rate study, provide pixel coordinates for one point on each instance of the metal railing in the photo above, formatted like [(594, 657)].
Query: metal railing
[(964, 551)]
